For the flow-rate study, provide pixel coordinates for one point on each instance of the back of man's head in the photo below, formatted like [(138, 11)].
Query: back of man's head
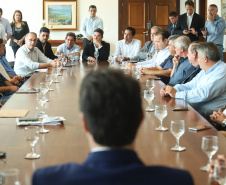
[(209, 50), (111, 104), (183, 41), (173, 14)]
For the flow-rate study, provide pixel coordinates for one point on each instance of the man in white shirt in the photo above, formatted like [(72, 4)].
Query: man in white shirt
[(69, 47), (29, 58), (89, 24), (128, 47)]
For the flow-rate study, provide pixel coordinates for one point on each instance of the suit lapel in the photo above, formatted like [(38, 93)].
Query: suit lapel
[(193, 21)]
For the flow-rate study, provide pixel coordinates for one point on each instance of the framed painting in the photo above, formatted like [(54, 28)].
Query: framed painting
[(60, 15), (223, 10)]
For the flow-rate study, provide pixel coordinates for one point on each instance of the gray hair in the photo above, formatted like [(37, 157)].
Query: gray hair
[(173, 38), (209, 50), (193, 46), (183, 41), (157, 27), (33, 33)]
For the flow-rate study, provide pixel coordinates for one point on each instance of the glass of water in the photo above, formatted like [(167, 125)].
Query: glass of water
[(220, 172), (96, 55), (210, 147), (49, 79), (161, 113), (150, 83), (177, 129), (44, 87), (149, 96), (9, 176)]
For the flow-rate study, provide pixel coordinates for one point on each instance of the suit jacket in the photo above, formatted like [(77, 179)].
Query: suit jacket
[(169, 28), (25, 30), (104, 51), (197, 23), (142, 53), (112, 167), (48, 49)]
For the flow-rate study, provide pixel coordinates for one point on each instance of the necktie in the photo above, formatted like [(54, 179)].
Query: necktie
[(172, 31)]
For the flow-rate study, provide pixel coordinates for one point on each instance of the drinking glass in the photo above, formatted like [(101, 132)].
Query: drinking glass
[(55, 74), (96, 55), (120, 58), (59, 67), (31, 135), (177, 129), (149, 96), (41, 101), (72, 58), (64, 62), (150, 83), (135, 72), (44, 87), (210, 147), (9, 176), (220, 173), (49, 80), (161, 113), (42, 119)]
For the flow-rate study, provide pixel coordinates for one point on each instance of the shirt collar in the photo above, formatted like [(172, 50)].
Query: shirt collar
[(28, 50), (92, 18), (190, 15), (129, 43), (213, 67), (217, 17), (100, 149)]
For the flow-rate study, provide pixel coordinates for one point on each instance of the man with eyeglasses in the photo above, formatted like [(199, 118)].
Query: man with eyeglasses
[(29, 58), (43, 45)]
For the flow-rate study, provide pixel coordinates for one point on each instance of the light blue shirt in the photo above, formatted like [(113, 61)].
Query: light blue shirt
[(215, 30), (206, 91), (28, 61), (6, 66), (6, 25), (64, 50), (89, 25)]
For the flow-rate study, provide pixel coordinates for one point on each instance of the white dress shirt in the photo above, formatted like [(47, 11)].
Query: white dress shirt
[(189, 20), (128, 50), (90, 24)]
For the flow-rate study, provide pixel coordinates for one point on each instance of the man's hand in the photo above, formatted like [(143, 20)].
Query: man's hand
[(171, 91), (204, 32), (163, 91), (19, 78), (92, 59), (53, 63), (217, 117), (176, 60), (20, 42), (14, 81), (185, 32), (130, 65), (145, 71), (58, 53), (90, 38), (13, 88), (210, 17), (192, 30), (75, 54)]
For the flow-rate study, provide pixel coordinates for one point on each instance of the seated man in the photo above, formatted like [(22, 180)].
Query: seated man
[(149, 49), (161, 42), (128, 47), (5, 69), (111, 130), (69, 47), (181, 65), (6, 90), (165, 68), (207, 90), (29, 58), (102, 47), (43, 45)]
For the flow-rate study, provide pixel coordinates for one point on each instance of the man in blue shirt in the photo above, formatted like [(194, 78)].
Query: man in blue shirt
[(215, 28), (6, 25), (207, 91)]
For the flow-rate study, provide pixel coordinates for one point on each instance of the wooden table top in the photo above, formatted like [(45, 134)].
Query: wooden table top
[(68, 143)]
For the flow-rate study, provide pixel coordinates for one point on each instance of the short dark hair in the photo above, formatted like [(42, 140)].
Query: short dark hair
[(99, 31), (132, 30), (44, 29), (173, 14), (92, 6), (165, 34), (70, 34), (111, 104), (1, 41), (189, 3), (0, 10), (215, 6), (210, 50)]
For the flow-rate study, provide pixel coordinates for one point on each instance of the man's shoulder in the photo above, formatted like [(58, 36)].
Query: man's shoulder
[(5, 20), (105, 43)]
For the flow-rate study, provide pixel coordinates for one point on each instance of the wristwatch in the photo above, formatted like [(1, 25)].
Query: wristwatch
[(223, 124)]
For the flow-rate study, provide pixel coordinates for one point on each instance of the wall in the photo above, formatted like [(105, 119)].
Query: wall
[(32, 13)]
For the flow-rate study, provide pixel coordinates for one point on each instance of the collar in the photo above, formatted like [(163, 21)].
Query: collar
[(129, 43), (92, 18), (217, 17), (213, 67), (190, 15), (28, 50), (71, 48), (100, 149)]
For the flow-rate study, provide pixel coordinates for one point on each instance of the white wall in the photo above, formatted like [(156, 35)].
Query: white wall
[(33, 10)]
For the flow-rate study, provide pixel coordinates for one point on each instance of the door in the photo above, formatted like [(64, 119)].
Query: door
[(143, 14)]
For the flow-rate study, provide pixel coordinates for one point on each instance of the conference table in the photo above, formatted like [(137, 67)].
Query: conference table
[(68, 143)]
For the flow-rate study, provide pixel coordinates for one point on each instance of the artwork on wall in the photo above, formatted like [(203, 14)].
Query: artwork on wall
[(223, 10), (60, 15)]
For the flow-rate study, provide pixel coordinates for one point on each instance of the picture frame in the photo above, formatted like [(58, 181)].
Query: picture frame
[(60, 15), (223, 11)]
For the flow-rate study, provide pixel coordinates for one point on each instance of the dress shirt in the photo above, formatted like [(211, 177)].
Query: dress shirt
[(7, 67), (206, 91), (6, 25), (4, 73), (182, 71), (2, 32), (128, 50), (189, 20), (215, 30), (168, 63), (63, 48), (224, 112), (161, 56), (28, 61), (90, 24)]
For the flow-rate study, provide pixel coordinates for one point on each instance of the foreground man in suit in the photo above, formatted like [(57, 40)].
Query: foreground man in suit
[(111, 122), (97, 44)]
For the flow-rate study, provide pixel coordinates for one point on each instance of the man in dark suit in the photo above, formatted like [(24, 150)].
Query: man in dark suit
[(43, 45), (102, 47), (111, 108), (190, 23), (173, 22)]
